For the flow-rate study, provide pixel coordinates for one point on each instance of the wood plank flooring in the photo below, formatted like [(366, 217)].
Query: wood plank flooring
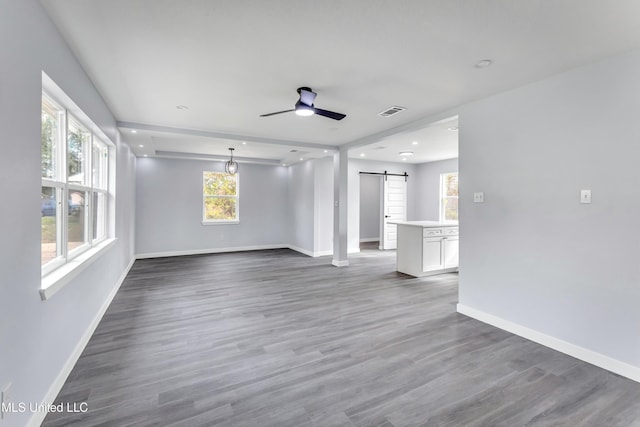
[(275, 338)]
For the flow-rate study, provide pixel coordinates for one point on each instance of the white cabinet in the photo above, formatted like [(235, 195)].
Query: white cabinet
[(432, 254), (450, 251), (425, 250)]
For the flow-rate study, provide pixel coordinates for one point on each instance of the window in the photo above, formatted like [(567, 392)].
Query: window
[(219, 198), (75, 163), (449, 196)]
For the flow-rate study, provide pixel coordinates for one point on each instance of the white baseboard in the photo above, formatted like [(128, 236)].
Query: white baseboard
[(370, 239), (340, 263), (605, 362), (38, 417), (302, 251), (210, 251)]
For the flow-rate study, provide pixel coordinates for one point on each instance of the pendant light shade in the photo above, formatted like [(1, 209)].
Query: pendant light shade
[(231, 167)]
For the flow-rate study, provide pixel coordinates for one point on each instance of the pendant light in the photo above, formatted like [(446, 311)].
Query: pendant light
[(231, 167)]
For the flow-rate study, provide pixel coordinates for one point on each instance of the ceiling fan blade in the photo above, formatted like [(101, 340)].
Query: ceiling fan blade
[(331, 114), (307, 96), (277, 112)]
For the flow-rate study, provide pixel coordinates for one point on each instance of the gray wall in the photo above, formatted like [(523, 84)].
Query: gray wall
[(301, 205), (355, 167), (323, 206), (169, 207), (531, 254), (428, 197), (370, 206), (37, 338)]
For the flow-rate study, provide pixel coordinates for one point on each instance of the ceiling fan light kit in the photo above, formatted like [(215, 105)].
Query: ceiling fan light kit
[(305, 106)]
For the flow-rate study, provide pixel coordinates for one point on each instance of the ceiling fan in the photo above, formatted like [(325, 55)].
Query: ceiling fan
[(305, 107)]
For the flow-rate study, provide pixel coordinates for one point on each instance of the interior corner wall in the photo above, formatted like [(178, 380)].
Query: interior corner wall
[(301, 206), (532, 255), (169, 208), (428, 197), (323, 206), (355, 167), (39, 340)]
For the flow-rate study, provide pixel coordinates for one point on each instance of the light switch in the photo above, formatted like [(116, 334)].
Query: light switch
[(585, 196), (478, 197)]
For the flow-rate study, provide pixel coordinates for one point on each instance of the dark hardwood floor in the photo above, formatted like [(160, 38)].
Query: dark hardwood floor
[(275, 338)]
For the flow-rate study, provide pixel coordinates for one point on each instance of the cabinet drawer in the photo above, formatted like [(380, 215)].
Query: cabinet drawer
[(452, 231), (428, 232)]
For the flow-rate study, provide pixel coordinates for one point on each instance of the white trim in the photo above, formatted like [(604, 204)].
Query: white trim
[(598, 359), (58, 278), (370, 239), (323, 253), (306, 252), (302, 251), (209, 251), (220, 222), (38, 417), (344, 263)]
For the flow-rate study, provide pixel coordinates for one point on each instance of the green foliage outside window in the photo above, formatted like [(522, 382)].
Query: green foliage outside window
[(220, 196), (449, 195)]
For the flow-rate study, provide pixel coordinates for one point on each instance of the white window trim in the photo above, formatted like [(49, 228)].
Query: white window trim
[(442, 197), (60, 271), (221, 221), (58, 278)]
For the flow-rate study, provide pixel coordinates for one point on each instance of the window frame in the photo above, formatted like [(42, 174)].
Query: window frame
[(56, 272), (236, 220), (443, 196)]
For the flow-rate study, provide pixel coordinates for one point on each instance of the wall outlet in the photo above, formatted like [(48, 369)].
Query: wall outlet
[(585, 196), (5, 400), (478, 197)]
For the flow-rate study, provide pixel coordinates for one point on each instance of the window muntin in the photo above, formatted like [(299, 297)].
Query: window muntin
[(449, 196), (75, 165), (220, 197)]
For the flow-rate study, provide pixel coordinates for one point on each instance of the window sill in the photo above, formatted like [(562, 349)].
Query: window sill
[(220, 222), (57, 279)]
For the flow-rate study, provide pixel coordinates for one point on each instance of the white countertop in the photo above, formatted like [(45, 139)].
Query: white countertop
[(425, 224)]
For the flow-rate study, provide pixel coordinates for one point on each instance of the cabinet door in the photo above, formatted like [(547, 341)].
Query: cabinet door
[(450, 248), (431, 254)]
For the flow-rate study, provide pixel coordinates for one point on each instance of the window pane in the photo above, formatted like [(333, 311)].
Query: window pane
[(49, 226), (451, 184), (99, 216), (451, 209), (219, 184), (220, 208), (76, 219), (77, 142), (99, 165), (50, 144)]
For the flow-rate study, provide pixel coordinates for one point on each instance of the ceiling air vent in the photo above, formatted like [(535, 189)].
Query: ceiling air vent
[(391, 111)]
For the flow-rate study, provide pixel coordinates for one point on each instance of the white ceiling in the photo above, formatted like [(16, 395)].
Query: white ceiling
[(230, 61)]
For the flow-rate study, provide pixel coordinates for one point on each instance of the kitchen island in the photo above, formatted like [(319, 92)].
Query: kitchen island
[(427, 247)]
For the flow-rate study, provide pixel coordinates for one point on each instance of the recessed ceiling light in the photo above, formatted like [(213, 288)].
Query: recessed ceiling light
[(146, 155), (284, 164), (361, 154), (406, 153), (182, 107), (141, 146), (453, 128), (483, 63), (244, 142), (414, 143), (326, 151), (404, 159), (134, 131), (301, 158)]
